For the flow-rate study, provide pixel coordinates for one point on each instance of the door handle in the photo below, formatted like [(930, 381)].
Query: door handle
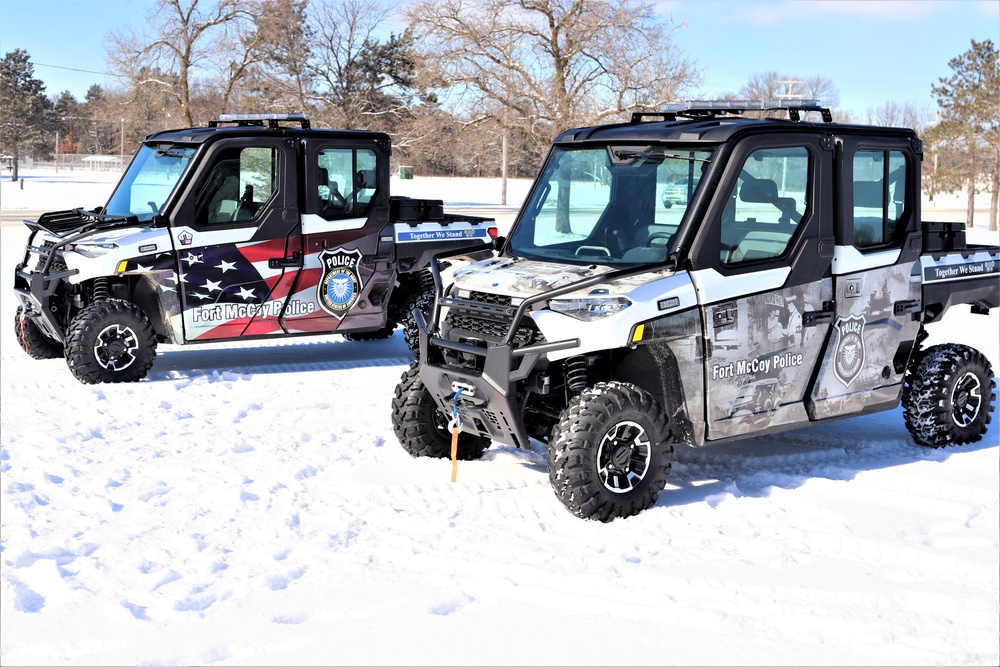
[(817, 317), (285, 262), (907, 306)]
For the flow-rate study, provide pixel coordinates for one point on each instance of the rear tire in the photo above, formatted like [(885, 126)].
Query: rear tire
[(110, 341), (31, 339), (611, 452), (424, 300), (948, 396), (422, 428)]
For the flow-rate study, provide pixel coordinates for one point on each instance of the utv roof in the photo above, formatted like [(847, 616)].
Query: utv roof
[(717, 121), (249, 125)]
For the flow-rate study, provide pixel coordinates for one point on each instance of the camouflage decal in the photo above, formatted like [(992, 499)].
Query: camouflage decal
[(857, 369), (517, 277), (761, 355)]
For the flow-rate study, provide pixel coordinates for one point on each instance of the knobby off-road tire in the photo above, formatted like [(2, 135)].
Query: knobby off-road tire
[(36, 344), (422, 428), (424, 300), (610, 453), (110, 341), (948, 396)]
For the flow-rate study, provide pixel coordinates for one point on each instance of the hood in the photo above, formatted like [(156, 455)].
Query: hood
[(61, 224), (525, 277)]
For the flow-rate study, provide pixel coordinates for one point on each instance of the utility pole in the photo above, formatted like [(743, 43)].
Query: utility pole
[(788, 94)]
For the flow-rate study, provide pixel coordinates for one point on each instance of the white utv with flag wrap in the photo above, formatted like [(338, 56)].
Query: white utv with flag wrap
[(696, 276), (251, 228)]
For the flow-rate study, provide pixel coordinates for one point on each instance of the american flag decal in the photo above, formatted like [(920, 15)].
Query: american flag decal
[(229, 290)]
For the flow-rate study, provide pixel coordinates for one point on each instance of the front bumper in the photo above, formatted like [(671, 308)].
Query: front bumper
[(34, 290), (488, 402)]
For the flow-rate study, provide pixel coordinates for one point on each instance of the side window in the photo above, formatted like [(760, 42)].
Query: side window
[(879, 196), (239, 185), (766, 205), (347, 180)]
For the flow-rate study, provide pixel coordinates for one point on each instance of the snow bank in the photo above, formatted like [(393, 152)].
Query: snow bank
[(47, 189), (249, 504)]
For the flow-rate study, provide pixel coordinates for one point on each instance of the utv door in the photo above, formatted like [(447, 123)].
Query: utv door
[(238, 241), (877, 303), (764, 285), (348, 267)]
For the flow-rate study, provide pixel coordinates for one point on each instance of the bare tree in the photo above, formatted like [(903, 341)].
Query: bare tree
[(894, 114), (188, 37), (780, 86), (560, 62), (356, 75), (551, 64), (285, 79)]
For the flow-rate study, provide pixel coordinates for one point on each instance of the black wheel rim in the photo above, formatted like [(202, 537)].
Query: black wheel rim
[(116, 347), (966, 400), (623, 457), (440, 421)]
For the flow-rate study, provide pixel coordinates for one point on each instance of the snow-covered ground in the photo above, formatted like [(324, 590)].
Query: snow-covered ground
[(249, 504)]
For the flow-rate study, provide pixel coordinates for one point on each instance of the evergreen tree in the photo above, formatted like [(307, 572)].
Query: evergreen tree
[(27, 118), (969, 101)]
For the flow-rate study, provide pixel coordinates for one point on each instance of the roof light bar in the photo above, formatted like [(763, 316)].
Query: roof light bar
[(260, 119), (735, 106), (712, 108)]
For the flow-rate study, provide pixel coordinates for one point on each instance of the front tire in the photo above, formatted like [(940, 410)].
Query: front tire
[(948, 396), (31, 339), (110, 341), (611, 452), (422, 429)]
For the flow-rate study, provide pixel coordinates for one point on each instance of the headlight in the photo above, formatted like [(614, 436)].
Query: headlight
[(590, 308), (92, 250)]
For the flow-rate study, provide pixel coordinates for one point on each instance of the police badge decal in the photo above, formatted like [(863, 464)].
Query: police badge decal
[(341, 284), (849, 358)]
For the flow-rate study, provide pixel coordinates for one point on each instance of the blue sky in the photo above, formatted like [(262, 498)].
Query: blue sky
[(874, 50)]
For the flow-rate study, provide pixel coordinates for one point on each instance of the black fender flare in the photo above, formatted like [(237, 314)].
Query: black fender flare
[(654, 367)]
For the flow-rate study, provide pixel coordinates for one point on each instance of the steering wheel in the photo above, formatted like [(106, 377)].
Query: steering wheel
[(595, 250), (657, 235)]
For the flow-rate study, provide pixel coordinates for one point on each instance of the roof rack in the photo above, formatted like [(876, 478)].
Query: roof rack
[(259, 119), (713, 108)]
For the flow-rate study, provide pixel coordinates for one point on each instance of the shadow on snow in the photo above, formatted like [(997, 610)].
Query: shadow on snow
[(174, 362)]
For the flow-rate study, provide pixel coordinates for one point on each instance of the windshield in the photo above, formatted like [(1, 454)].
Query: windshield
[(152, 176), (613, 205)]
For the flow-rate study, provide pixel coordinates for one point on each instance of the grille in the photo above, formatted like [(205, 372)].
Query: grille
[(473, 324), (56, 266), (491, 325), (493, 299), (58, 263)]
